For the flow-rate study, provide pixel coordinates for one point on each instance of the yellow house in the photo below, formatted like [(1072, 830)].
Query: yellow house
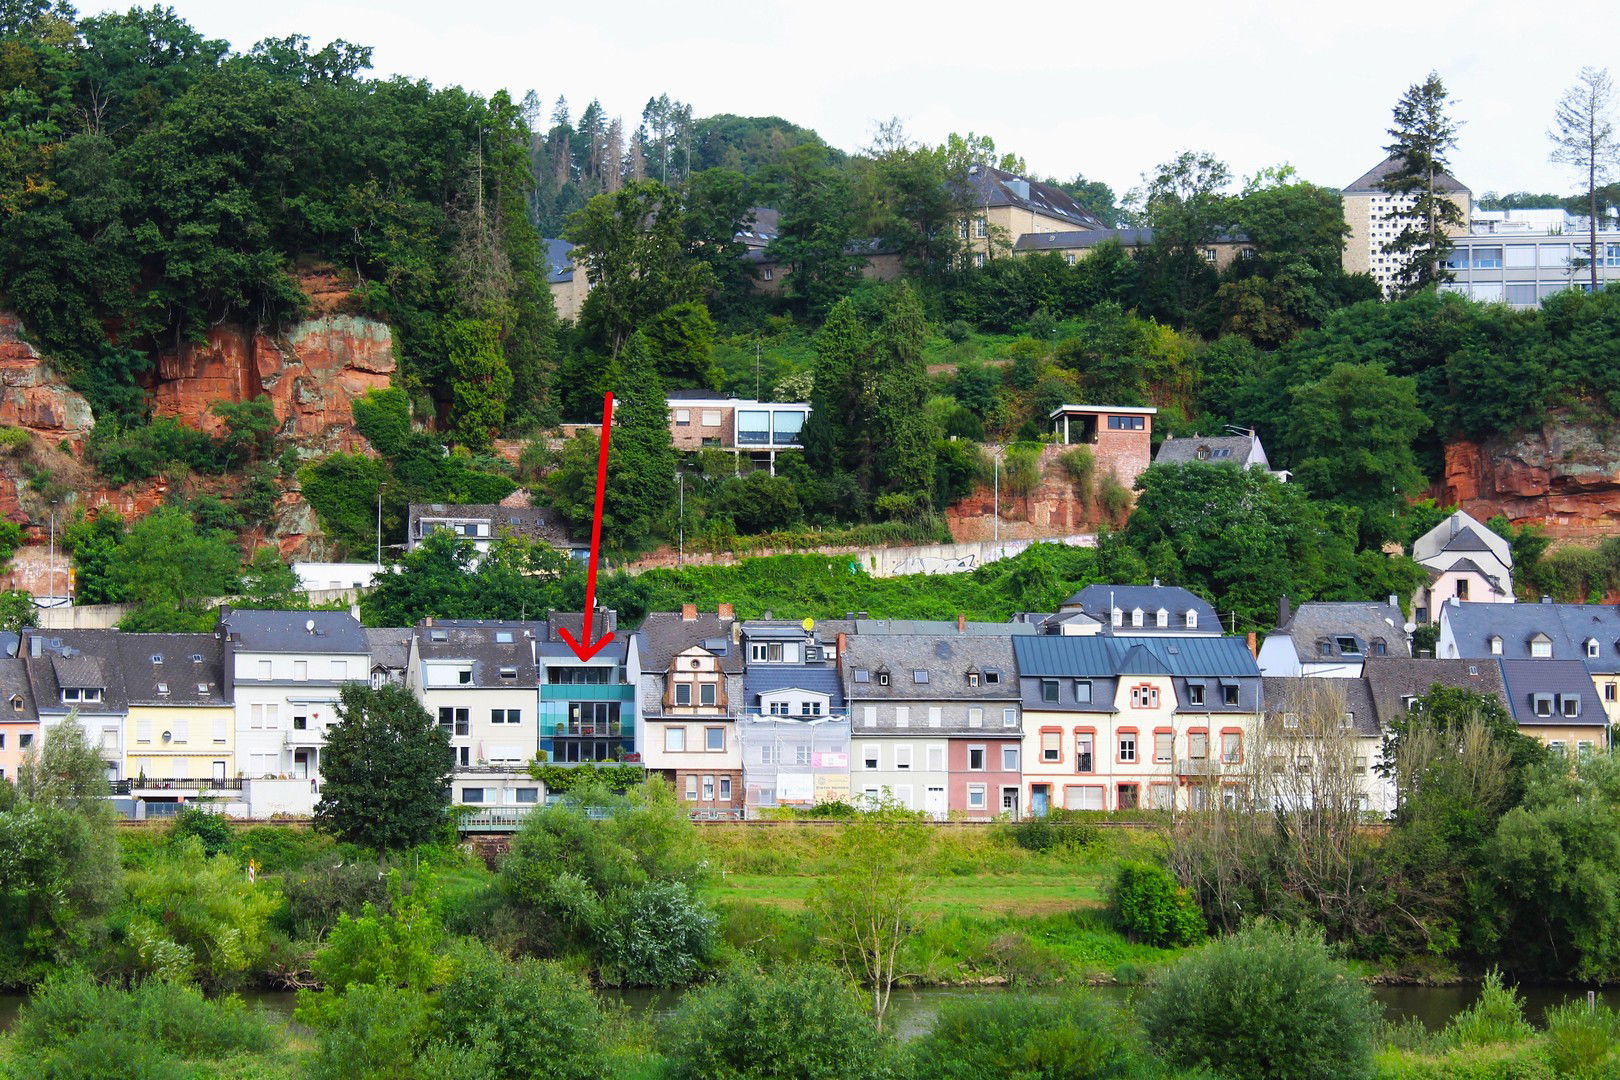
[(179, 736), (1007, 207)]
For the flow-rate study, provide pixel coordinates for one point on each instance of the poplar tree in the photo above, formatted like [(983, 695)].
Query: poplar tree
[(836, 436), (1423, 135), (905, 446), (1583, 137), (641, 454)]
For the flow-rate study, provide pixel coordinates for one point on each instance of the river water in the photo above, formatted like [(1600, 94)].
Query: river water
[(912, 1011)]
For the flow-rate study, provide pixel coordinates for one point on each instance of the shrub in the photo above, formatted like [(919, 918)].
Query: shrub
[(318, 897), (1149, 906), (1026, 1038), (1498, 1016), (956, 331), (1021, 469), (1080, 467), (14, 440), (806, 1023), (364, 1034), (526, 1018), (1582, 1041), (1113, 497), (657, 934), (211, 830), (383, 416), (1267, 1003)]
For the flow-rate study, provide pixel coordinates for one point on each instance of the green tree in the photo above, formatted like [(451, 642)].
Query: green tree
[(682, 342), (1267, 1003), (1583, 138), (270, 584), (816, 231), (171, 567), (386, 765), (1351, 436), (641, 455), (481, 382), (905, 448), (534, 1018), (1423, 137), (1184, 203), (1150, 906), (804, 1023)]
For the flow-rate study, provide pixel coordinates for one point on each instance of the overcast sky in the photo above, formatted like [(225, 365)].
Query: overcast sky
[(1106, 91)]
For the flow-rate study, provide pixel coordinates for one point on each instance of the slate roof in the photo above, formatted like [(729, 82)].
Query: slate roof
[(101, 647), (14, 684), (664, 636), (997, 187), (536, 523), (284, 631), (390, 646), (1220, 449), (936, 628), (1392, 680), (559, 267), (1104, 656), (1568, 626), (1526, 678), (1099, 600), (1284, 695), (1317, 621), (474, 641), (947, 661), (1466, 539), (552, 646), (1370, 182), (177, 679), (818, 678)]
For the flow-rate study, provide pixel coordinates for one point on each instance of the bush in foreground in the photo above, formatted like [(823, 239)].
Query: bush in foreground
[(804, 1024), (1025, 1038), (1152, 908), (1268, 1004)]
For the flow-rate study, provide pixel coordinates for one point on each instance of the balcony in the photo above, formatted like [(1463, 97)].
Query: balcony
[(1207, 766), (314, 735), (175, 785), (588, 692), (576, 729)]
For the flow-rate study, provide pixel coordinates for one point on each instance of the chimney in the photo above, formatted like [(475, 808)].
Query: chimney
[(1254, 648), (428, 621), (688, 613), (841, 639), (725, 611), (1284, 612), (1155, 583), (1394, 601), (961, 623), (1546, 599)]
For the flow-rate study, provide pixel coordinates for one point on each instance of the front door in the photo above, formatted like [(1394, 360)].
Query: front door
[(934, 803), (301, 764), (1009, 802), (1038, 798), (219, 770)]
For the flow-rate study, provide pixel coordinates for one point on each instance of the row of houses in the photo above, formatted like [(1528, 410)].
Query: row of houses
[(1126, 697)]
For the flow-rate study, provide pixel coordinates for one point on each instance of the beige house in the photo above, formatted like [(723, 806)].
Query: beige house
[(568, 283), (1074, 245), (692, 687), (1006, 207)]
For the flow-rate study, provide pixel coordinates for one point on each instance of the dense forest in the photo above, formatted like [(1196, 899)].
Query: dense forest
[(155, 182)]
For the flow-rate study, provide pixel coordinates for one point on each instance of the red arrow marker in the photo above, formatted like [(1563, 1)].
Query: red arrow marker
[(590, 648)]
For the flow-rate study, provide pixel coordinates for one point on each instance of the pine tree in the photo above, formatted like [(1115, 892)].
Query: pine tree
[(837, 435), (1424, 134), (905, 452), (641, 454)]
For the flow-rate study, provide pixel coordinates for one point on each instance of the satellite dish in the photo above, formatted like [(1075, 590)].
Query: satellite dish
[(1410, 627), (309, 625), (809, 625)]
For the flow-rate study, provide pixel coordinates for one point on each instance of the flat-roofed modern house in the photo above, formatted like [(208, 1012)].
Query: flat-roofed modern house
[(1117, 723), (482, 523), (1332, 640), (1584, 633), (1465, 561), (698, 420), (588, 708), (691, 694), (1120, 436), (935, 721)]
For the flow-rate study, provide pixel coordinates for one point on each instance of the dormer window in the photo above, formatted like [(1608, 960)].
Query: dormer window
[(16, 703), (1592, 648), (1496, 645), (157, 658), (163, 688), (1136, 616), (1162, 618), (1324, 647), (1117, 617), (1569, 704), (883, 678), (1541, 647), (973, 678), (1380, 647), (1192, 619), (196, 658)]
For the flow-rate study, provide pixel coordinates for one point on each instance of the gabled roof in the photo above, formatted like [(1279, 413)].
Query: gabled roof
[(559, 266), (1371, 181), (1561, 678), (176, 678), (1567, 626), (390, 646), (480, 643), (14, 685), (1106, 657), (1316, 622), (1393, 680), (88, 655), (936, 628), (990, 186), (1098, 601), (947, 659), (1285, 695), (551, 646), (1466, 539), (537, 523), (1082, 239), (1217, 449), (817, 678), (294, 631), (664, 636)]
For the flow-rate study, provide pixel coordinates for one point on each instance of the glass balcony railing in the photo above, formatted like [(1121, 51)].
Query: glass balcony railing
[(588, 692)]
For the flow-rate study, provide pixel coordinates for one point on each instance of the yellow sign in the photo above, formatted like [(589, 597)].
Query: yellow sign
[(809, 625)]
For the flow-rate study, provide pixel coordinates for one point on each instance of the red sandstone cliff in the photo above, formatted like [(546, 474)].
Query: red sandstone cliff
[(1055, 507), (33, 396), (1564, 475)]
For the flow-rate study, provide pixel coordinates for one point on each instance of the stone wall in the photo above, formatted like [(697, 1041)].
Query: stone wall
[(1564, 476)]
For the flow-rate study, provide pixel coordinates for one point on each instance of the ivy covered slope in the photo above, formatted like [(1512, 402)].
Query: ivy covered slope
[(154, 183)]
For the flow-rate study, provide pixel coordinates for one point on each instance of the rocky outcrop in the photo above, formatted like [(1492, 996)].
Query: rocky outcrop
[(33, 396), (1564, 476), (1055, 507), (310, 373)]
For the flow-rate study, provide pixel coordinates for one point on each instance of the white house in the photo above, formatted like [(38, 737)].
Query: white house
[(1466, 562), (1332, 640)]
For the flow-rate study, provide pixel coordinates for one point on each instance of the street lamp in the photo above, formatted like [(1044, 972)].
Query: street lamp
[(996, 458), (380, 488)]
